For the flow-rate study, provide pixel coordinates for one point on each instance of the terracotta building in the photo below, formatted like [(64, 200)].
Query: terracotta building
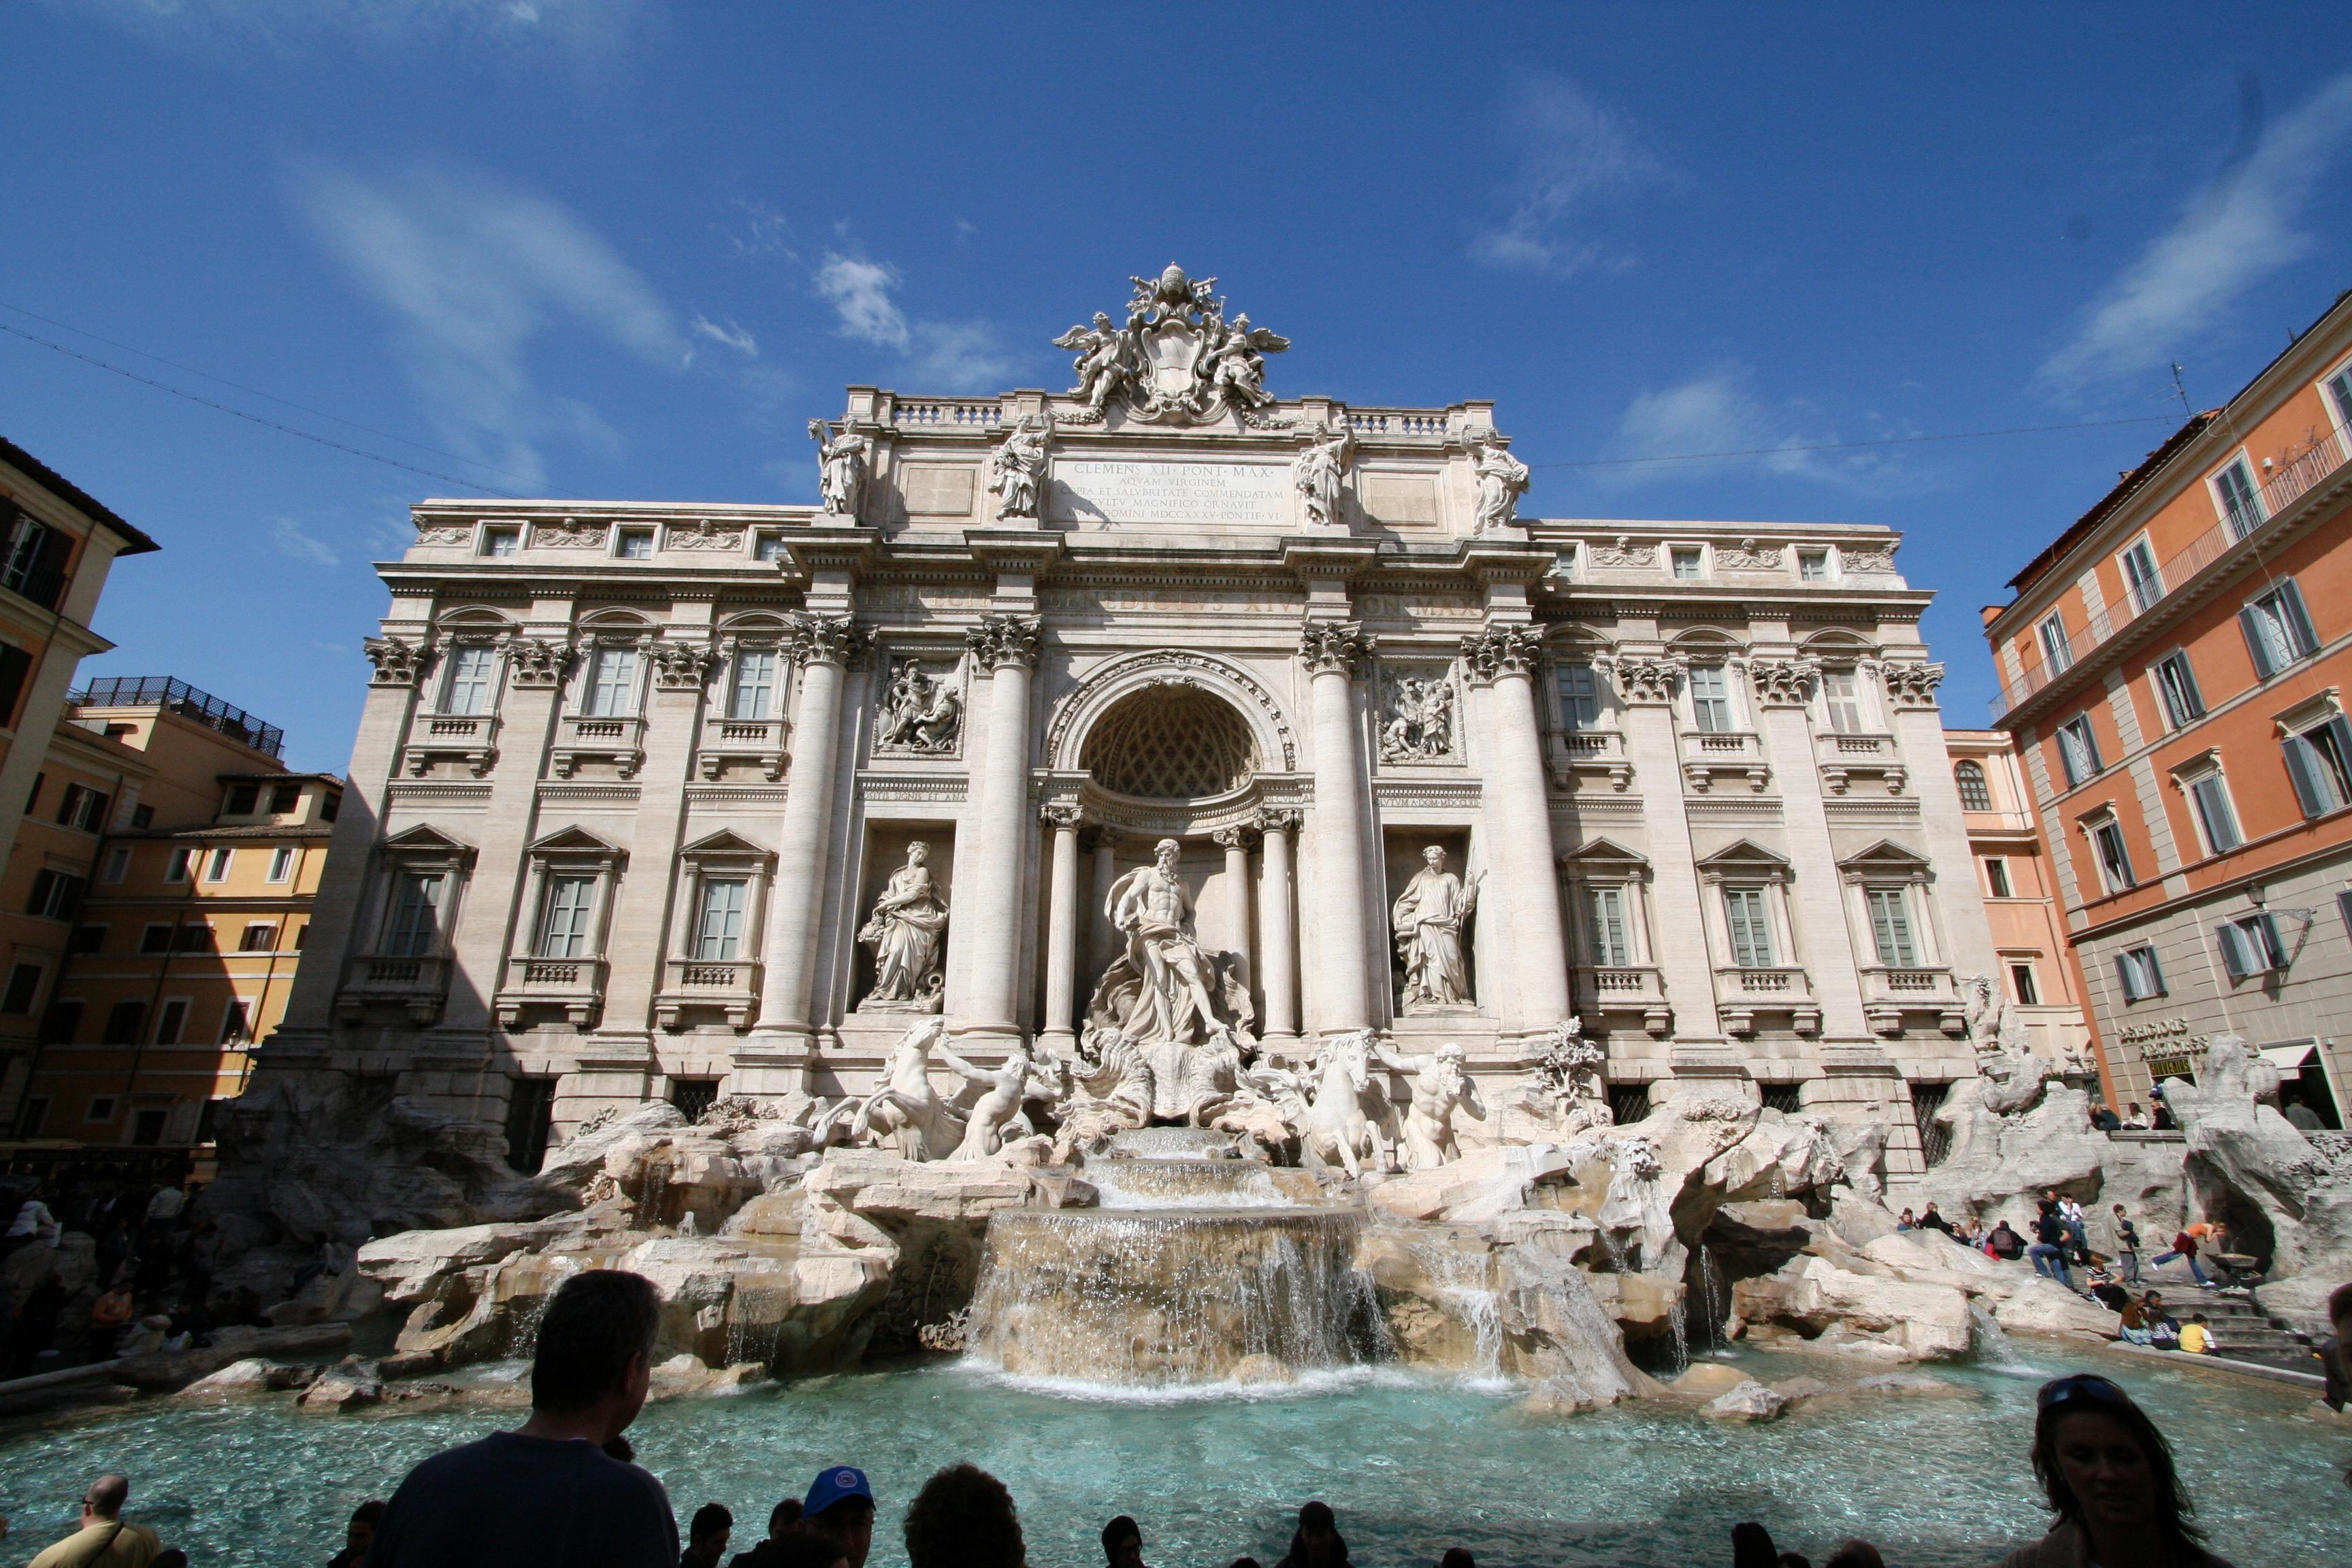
[(2174, 669)]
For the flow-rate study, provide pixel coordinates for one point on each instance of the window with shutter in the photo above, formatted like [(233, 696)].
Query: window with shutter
[(2319, 766), (1580, 697), (2078, 750), (755, 684), (2142, 977), (720, 930), (2056, 651), (2339, 389), (1842, 694), (416, 928), (1751, 935), (2277, 630), (471, 670), (1710, 695), (2140, 579), (1605, 919), (613, 682), (2175, 681), (2215, 816), (2241, 502), (563, 934), (1890, 926), (16, 667)]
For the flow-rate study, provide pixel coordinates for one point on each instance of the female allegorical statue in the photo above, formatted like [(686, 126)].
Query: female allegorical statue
[(909, 920)]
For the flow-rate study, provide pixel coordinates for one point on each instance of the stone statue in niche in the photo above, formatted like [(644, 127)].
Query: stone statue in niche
[(905, 932), (1428, 918), (1502, 480), (841, 465), (1421, 720), (1317, 473), (1017, 471), (1186, 1008), (1441, 1085), (921, 712)]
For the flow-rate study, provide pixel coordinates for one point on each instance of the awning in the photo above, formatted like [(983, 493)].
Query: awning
[(2289, 1058)]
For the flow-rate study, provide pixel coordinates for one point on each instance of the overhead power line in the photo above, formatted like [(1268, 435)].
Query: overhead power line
[(1844, 445)]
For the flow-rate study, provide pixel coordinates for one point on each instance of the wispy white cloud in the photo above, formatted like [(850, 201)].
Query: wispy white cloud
[(1572, 152), (960, 356), (859, 292), (474, 270), (731, 335), (1720, 411), (582, 31), (759, 231), (2243, 225), (288, 537), (947, 356)]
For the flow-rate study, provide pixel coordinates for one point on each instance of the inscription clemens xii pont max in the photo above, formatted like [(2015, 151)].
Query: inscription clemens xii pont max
[(1096, 491)]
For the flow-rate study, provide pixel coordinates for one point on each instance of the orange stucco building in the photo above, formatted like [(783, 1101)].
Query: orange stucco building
[(2175, 668)]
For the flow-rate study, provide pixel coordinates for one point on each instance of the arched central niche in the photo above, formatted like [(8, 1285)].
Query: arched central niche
[(1174, 741)]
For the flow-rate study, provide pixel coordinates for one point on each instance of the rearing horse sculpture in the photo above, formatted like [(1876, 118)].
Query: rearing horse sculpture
[(907, 1111), (1335, 1130)]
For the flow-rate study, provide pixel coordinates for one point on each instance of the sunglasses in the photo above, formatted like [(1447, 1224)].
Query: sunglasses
[(2082, 1385)]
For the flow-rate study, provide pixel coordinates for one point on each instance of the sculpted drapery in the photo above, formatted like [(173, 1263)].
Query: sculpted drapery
[(1427, 919), (904, 932)]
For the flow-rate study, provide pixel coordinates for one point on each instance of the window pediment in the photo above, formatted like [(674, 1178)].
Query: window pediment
[(1606, 857), (578, 846), (1886, 861), (422, 845), (726, 847)]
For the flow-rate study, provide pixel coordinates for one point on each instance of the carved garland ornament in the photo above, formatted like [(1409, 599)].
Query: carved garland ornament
[(1184, 663), (1500, 651), (1912, 684), (1000, 641), (1784, 682), (1868, 560), (1625, 552), (457, 533), (396, 663), (1649, 679), (1750, 556), (704, 533), (1332, 646), (571, 533)]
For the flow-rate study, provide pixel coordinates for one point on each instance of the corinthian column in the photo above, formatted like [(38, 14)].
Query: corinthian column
[(1062, 933), (821, 645), (1277, 951), (1343, 1000), (1007, 646), (1517, 800)]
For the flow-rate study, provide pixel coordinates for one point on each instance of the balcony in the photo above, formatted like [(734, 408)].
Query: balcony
[(756, 743), (575, 986), (618, 740), (1601, 753), (1889, 992), (2293, 481), (1735, 753), (469, 740), (416, 985), (1740, 994), (1844, 758), (731, 985), (1625, 990)]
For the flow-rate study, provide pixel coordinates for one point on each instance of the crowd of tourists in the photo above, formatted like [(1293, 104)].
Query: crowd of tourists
[(563, 1489)]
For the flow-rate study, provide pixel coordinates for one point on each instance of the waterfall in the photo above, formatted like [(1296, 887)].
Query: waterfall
[(1711, 1314), (1992, 1348), (1462, 1281)]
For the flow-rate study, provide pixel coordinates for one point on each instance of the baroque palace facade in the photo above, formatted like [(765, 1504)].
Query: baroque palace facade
[(1163, 708)]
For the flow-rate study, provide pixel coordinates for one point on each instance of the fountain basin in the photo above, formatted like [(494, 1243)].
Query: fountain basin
[(1125, 1184)]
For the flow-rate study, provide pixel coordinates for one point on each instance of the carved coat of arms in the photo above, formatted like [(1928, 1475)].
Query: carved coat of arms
[(1177, 362)]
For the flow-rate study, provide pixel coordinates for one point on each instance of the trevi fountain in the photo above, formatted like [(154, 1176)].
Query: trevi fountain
[(1171, 942)]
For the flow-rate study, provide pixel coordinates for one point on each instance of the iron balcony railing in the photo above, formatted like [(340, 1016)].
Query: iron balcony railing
[(163, 692), (2293, 481)]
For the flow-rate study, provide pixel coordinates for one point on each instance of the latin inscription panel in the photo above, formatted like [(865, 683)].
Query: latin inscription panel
[(1089, 490)]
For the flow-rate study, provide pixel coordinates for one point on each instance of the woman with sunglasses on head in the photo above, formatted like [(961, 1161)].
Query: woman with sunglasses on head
[(2109, 1475)]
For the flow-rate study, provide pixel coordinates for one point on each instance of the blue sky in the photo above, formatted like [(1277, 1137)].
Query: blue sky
[(620, 248)]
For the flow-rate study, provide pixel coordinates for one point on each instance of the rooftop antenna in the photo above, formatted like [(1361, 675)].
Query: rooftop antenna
[(2181, 387)]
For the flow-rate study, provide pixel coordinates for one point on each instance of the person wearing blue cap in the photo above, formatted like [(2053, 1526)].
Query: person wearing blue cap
[(840, 1507)]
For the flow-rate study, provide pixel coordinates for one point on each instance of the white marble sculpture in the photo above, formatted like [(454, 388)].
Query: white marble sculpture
[(1177, 361), (1107, 363), (1006, 1086), (908, 922), (1187, 1008), (1017, 471), (1317, 474), (1421, 720), (1568, 1094), (1440, 1086), (843, 462), (906, 1113), (921, 712), (1427, 917), (1335, 1130), (1502, 480)]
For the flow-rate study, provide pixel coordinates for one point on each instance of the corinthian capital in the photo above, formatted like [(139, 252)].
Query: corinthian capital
[(1784, 682), (1647, 680), (1330, 647), (827, 640), (538, 661), (682, 667), (396, 663), (1003, 640), (1912, 684), (1499, 651), (1278, 819)]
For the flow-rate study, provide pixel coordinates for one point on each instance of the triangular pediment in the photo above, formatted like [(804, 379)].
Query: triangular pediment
[(422, 837), (1605, 852), (1884, 855), (1743, 853), (729, 844), (573, 841)]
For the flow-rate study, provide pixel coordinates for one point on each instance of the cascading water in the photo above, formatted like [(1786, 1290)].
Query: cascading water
[(1464, 1280), (1192, 1264)]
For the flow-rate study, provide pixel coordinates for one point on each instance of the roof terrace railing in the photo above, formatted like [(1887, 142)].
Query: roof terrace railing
[(2290, 484), (189, 703)]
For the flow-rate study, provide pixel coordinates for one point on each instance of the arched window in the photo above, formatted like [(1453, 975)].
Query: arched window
[(1975, 793), (1170, 742)]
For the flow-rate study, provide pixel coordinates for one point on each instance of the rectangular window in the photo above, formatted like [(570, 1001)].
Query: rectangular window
[(15, 669), (233, 1024), (2319, 765), (2250, 945), (176, 868), (718, 929), (257, 939), (216, 870), (24, 985), (2176, 683), (118, 865), (2339, 390), (1687, 565), (56, 896), (415, 929), (1842, 694), (501, 543), (2278, 630), (122, 1023), (1710, 694), (2241, 502), (1890, 927), (634, 544), (766, 547), (1997, 877), (147, 1127), (171, 1022), (2115, 860), (2216, 817), (2078, 750), (196, 937), (156, 938), (611, 682), (281, 863), (1580, 697), (467, 689), (2140, 578), (299, 932), (101, 1107), (33, 1117), (34, 561), (754, 692), (244, 799), (1751, 934), (2023, 986), (563, 934), (1813, 565), (2056, 651), (531, 1114), (61, 1023), (142, 817), (285, 799), (82, 808), (1605, 910), (88, 939), (1976, 792), (329, 802)]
